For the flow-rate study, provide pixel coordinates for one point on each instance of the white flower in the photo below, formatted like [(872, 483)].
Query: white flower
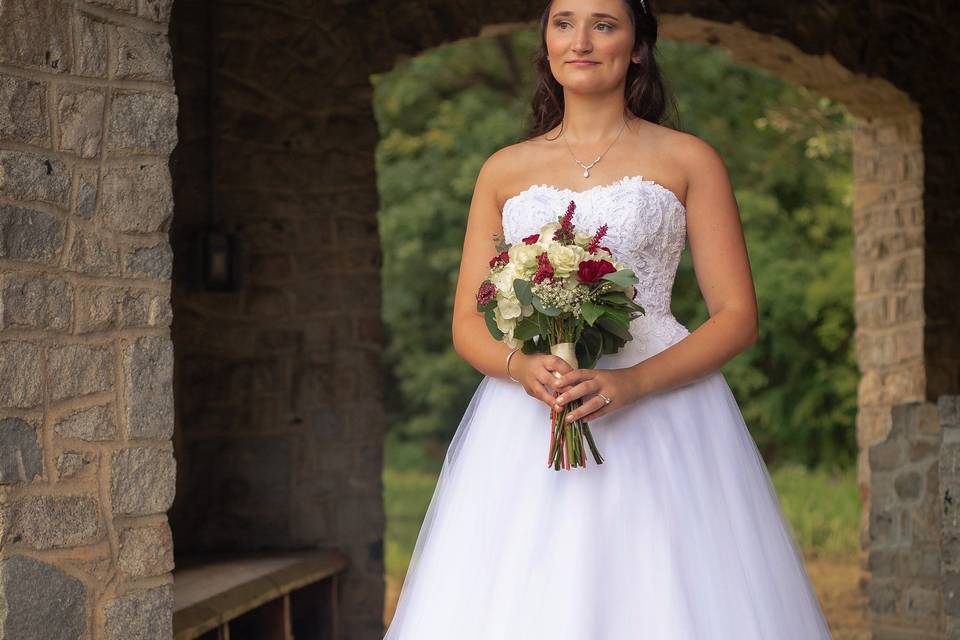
[(581, 238), (504, 324), (509, 307), (503, 279), (565, 259), (524, 258)]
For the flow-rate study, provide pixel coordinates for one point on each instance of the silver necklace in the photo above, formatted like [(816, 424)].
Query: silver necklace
[(587, 167)]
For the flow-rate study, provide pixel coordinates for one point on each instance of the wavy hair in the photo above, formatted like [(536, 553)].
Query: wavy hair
[(644, 91)]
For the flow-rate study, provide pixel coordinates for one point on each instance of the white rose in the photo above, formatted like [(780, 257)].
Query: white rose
[(581, 238), (565, 259), (524, 258)]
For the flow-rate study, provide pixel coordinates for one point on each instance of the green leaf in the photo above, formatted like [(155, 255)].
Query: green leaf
[(527, 328), (545, 309), (591, 312), (522, 288), (623, 278), (492, 325), (615, 327)]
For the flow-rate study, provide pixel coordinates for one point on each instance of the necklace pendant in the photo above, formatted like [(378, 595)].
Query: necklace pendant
[(586, 173)]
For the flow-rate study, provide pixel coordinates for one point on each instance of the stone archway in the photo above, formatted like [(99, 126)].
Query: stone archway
[(276, 385)]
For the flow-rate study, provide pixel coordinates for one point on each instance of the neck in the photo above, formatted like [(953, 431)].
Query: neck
[(592, 119)]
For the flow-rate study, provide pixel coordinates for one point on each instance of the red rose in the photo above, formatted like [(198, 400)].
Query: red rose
[(531, 238), (590, 271)]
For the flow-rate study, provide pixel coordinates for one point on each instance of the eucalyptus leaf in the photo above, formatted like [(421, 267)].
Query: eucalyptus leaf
[(591, 312), (492, 325), (545, 309), (623, 278), (522, 289)]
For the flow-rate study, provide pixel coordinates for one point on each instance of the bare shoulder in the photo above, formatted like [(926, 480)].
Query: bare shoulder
[(500, 171), (698, 158)]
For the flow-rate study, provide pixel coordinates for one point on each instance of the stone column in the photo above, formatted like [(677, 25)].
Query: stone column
[(87, 122)]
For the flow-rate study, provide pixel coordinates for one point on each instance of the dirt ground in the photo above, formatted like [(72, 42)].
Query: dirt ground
[(837, 585)]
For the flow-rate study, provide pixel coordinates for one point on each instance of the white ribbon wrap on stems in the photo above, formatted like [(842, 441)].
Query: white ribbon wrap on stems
[(567, 351)]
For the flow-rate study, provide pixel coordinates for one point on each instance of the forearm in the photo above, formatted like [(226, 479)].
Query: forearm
[(473, 342), (709, 347)]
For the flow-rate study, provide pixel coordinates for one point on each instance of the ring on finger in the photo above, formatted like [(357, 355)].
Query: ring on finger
[(605, 399)]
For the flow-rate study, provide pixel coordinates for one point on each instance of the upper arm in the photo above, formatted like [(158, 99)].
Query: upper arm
[(483, 222), (716, 236)]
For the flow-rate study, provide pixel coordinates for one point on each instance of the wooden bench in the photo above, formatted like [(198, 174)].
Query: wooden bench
[(269, 595)]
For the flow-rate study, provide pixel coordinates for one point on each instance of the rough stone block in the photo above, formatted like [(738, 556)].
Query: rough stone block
[(157, 10), (886, 455), (92, 46), (140, 615), (146, 551), (80, 113), (948, 408), (23, 110), (21, 370), (126, 6), (86, 204), (30, 177), (35, 301), (137, 198), (52, 522), (143, 122), (36, 33), (142, 480), (79, 369), (96, 309), (148, 372), (92, 425), (20, 454), (143, 56), (72, 463), (154, 262), (94, 254), (40, 601), (32, 236)]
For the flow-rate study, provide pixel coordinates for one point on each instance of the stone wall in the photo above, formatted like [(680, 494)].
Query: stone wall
[(87, 121)]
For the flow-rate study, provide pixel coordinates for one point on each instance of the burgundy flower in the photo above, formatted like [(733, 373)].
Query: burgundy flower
[(590, 271), (544, 268), (531, 239), (501, 258), (595, 242), (564, 234), (487, 292)]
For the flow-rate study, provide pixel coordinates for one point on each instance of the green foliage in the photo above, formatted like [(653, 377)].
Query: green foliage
[(788, 153)]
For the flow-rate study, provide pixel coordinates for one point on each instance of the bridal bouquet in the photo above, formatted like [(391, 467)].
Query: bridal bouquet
[(560, 292)]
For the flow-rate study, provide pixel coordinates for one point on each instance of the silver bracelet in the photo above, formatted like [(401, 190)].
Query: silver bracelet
[(510, 355)]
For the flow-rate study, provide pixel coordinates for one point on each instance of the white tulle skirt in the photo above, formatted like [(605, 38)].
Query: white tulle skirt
[(679, 534)]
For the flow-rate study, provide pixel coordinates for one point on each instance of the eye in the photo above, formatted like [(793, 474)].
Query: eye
[(560, 23), (609, 27)]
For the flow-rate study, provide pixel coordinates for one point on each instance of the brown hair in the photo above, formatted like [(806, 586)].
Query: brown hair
[(644, 90)]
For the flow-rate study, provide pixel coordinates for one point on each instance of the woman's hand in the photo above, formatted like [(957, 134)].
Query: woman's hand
[(617, 384), (534, 371)]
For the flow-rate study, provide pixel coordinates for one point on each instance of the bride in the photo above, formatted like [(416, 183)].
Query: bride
[(678, 534)]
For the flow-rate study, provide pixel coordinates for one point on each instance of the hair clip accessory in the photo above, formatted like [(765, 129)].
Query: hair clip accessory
[(643, 5)]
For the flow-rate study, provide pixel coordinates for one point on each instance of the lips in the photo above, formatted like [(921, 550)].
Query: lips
[(582, 63)]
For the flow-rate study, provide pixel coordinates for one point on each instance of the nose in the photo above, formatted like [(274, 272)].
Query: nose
[(581, 43)]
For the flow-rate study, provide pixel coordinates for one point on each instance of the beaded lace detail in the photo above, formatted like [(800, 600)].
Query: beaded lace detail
[(646, 230)]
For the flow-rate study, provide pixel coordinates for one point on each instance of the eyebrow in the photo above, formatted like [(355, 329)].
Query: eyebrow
[(593, 15)]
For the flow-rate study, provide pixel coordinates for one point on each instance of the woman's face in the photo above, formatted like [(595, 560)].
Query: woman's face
[(597, 31)]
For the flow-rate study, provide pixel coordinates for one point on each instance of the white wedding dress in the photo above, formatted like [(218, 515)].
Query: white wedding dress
[(679, 534)]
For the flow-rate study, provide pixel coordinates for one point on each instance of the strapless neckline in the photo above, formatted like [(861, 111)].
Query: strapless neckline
[(598, 187)]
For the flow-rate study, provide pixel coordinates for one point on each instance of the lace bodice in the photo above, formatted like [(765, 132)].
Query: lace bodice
[(646, 230)]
